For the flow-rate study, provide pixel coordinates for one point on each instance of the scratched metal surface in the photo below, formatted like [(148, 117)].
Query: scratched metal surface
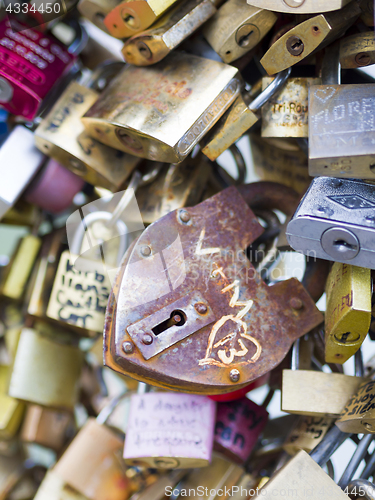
[(254, 325)]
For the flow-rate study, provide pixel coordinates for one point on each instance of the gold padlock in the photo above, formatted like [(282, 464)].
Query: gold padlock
[(62, 136), (299, 6), (151, 46), (11, 410), (45, 372), (97, 10), (46, 427), (237, 28), (348, 311), (308, 432), (241, 116), (140, 111), (308, 37), (54, 488), (359, 413), (368, 12), (133, 16), (177, 186), (357, 50), (286, 113), (280, 160)]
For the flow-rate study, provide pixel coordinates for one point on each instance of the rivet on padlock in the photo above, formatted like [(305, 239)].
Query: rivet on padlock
[(151, 46), (148, 125), (239, 118), (170, 430), (237, 28)]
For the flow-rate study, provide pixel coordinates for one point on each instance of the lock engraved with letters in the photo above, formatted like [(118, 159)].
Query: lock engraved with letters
[(187, 297)]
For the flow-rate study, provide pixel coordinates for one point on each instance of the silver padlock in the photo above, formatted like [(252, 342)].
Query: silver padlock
[(335, 221)]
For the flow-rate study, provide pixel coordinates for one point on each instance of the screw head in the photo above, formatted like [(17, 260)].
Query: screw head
[(200, 308), (147, 339), (295, 45), (184, 216), (234, 375), (296, 303), (128, 347), (146, 251)]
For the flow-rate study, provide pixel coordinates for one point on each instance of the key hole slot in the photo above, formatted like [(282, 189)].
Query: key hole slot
[(343, 245), (177, 318), (245, 40)]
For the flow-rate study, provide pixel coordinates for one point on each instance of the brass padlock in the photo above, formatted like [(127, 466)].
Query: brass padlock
[(133, 16), (54, 488), (45, 372), (307, 433), (299, 6), (46, 427), (62, 136), (324, 394), (177, 186), (348, 311), (357, 50), (237, 28), (92, 463), (192, 289), (359, 413), (151, 46), (140, 111), (280, 160), (241, 116), (286, 113), (11, 410), (97, 10), (342, 131), (307, 37)]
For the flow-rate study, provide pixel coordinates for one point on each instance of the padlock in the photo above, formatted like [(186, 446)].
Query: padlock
[(241, 116), (96, 10), (313, 393), (32, 63), (286, 113), (54, 488), (11, 410), (357, 50), (280, 160), (308, 37), (151, 46), (161, 487), (169, 430), (62, 136), (358, 415), (348, 311), (177, 186), (46, 427), (299, 6), (140, 111), (237, 28), (133, 16), (91, 464), (238, 426), (339, 226), (215, 288), (45, 372), (342, 130), (16, 274), (307, 433), (215, 482)]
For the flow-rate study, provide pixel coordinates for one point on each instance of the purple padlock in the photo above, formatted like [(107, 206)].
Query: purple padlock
[(170, 430), (31, 62), (238, 426)]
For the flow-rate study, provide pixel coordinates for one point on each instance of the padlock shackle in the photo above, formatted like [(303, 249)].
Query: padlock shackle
[(331, 67), (356, 459), (276, 85), (362, 486), (332, 440), (107, 411), (270, 196)]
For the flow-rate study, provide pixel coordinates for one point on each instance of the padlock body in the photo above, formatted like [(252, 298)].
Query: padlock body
[(307, 434), (359, 413), (298, 6)]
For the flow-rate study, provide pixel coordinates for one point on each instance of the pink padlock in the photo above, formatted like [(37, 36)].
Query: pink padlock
[(54, 187), (170, 430), (238, 426), (31, 63)]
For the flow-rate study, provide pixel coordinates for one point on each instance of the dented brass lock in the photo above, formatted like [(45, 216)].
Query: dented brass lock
[(187, 297), (357, 50), (140, 111), (359, 414)]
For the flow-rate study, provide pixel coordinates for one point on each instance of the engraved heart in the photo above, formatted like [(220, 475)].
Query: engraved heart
[(324, 94)]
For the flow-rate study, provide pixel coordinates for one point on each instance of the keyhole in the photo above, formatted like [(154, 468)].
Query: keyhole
[(295, 45), (343, 246), (129, 20), (245, 40), (177, 318)]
